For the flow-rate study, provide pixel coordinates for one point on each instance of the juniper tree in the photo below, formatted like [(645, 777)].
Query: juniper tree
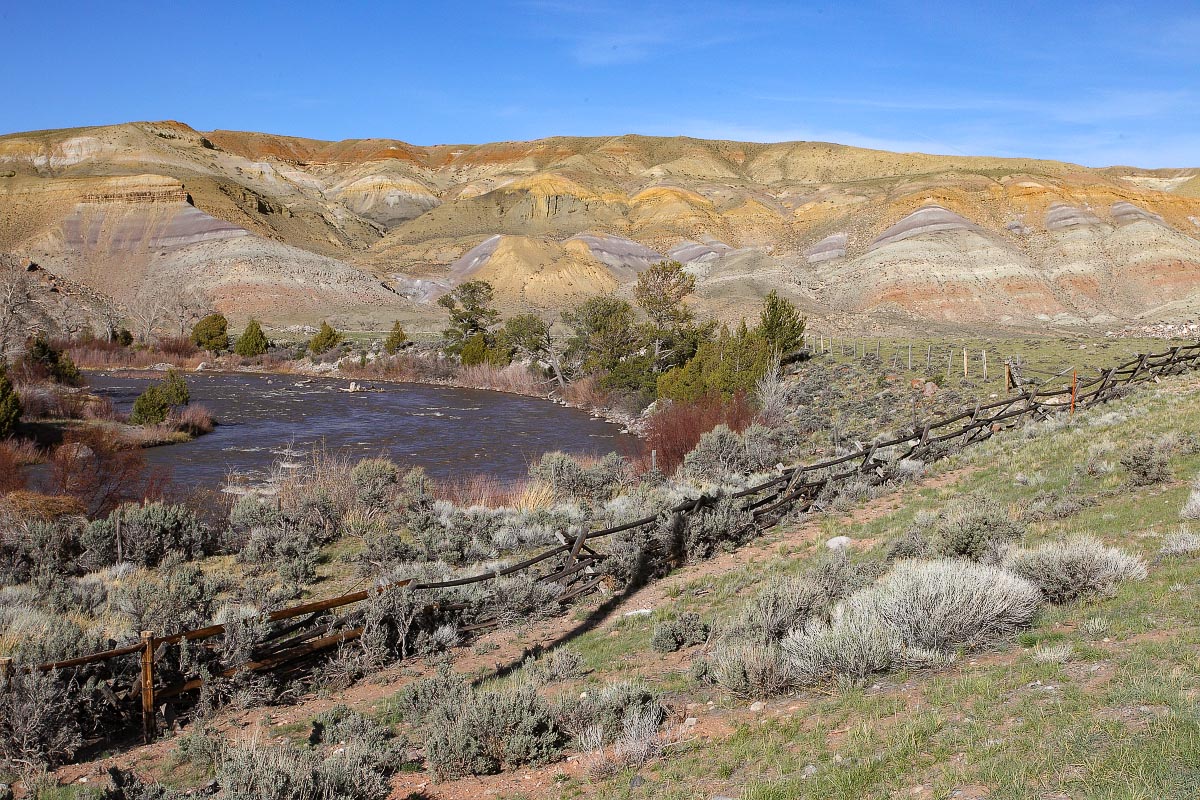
[(252, 342)]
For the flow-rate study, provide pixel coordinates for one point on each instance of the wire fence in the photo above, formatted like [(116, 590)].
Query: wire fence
[(138, 685)]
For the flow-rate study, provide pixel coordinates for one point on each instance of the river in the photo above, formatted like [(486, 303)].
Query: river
[(451, 432)]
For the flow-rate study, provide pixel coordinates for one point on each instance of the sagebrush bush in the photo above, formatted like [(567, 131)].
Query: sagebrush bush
[(1181, 543), (944, 605), (419, 698), (854, 647), (1146, 463), (374, 480), (604, 710), (1076, 568), (37, 723), (686, 630), (491, 730), (560, 664), (720, 527), (916, 616), (976, 528), (718, 455), (144, 534), (266, 772), (568, 477), (752, 670), (783, 604)]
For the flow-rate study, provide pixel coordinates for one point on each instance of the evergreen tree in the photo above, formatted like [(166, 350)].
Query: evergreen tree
[(325, 339), (781, 324), (730, 364), (57, 365), (603, 333), (10, 404), (471, 313), (150, 408), (252, 342), (659, 292), (175, 389), (395, 340), (211, 333)]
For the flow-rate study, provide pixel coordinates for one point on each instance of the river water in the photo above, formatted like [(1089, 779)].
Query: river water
[(451, 432)]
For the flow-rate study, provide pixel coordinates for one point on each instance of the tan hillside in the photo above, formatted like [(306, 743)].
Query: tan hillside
[(369, 230)]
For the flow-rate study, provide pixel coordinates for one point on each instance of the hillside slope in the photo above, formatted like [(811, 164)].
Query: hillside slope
[(385, 225)]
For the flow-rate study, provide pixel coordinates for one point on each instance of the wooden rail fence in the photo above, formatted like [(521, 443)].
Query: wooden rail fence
[(131, 690)]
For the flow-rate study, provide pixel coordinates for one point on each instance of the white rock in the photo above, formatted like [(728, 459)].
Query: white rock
[(757, 705), (838, 543)]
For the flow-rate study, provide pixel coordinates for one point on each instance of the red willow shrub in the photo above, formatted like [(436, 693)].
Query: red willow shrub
[(92, 466), (178, 346), (673, 431), (11, 477)]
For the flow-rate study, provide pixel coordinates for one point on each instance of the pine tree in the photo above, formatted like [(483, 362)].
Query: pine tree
[(395, 340), (325, 339), (10, 404), (175, 389), (781, 324), (150, 408), (252, 342), (471, 313), (211, 333)]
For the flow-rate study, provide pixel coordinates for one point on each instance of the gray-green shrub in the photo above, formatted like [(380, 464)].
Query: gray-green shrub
[(1146, 463), (491, 730), (686, 630), (37, 725), (1074, 569), (976, 528)]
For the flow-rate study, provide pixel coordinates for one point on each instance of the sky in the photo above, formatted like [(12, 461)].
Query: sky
[(1094, 83)]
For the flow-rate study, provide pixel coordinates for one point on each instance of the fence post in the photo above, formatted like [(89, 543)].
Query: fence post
[(148, 686), (984, 365), (1074, 389), (5, 670)]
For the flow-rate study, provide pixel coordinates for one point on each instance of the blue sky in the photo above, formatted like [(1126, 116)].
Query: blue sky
[(1095, 83)]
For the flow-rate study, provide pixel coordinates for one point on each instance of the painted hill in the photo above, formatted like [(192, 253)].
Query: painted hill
[(370, 230)]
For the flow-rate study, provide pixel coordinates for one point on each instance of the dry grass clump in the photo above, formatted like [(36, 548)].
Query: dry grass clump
[(1059, 653), (514, 378), (1074, 569)]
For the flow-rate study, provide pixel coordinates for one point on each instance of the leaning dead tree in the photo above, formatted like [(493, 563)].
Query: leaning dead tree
[(23, 312)]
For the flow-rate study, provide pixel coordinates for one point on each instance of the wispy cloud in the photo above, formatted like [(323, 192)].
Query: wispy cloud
[(1086, 108), (599, 34)]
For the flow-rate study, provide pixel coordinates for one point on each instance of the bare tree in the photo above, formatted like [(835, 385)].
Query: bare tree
[(184, 307), (148, 310), (111, 317), (22, 311)]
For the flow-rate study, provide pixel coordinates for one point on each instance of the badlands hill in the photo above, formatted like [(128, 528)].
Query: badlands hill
[(365, 231)]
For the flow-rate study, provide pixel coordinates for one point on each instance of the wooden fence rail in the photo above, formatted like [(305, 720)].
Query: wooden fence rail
[(571, 564)]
